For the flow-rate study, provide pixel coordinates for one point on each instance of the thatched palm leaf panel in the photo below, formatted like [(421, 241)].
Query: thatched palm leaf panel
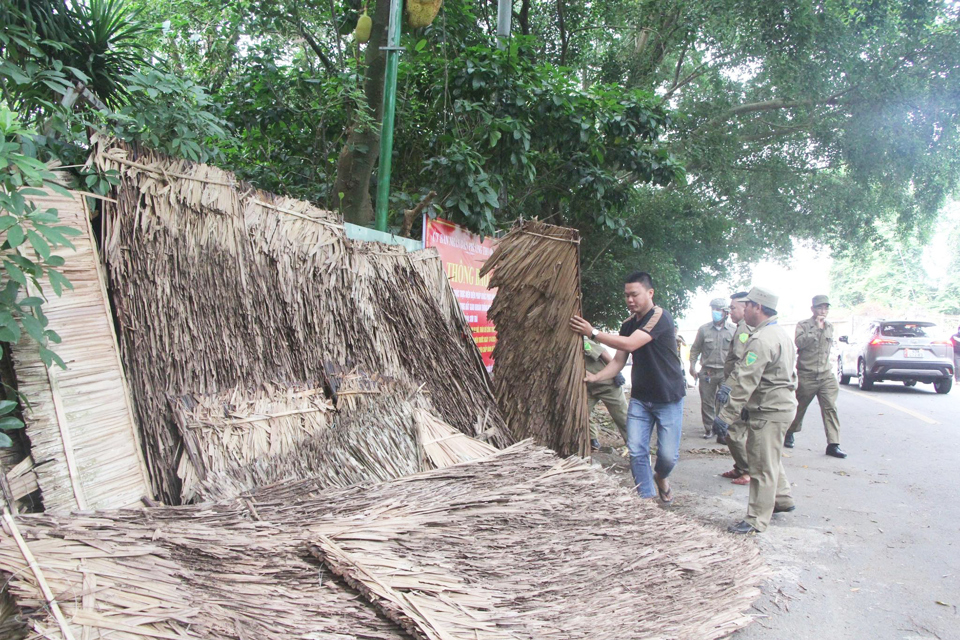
[(377, 441), (538, 365), (387, 436), (559, 550), (84, 441), (225, 430), (129, 577), (520, 543), (218, 285)]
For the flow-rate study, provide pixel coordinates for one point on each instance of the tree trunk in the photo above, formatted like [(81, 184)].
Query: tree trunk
[(362, 148)]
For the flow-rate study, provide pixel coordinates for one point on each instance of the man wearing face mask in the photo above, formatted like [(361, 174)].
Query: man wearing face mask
[(711, 347), (814, 339)]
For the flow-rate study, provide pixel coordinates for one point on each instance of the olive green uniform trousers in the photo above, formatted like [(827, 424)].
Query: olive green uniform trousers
[(825, 389), (708, 380), (612, 398), (769, 486), (737, 442)]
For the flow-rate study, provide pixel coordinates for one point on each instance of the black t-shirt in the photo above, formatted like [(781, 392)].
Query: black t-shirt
[(657, 374)]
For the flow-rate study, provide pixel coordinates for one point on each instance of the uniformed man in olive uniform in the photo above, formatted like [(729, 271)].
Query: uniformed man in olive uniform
[(711, 346), (737, 435), (816, 375), (610, 392), (762, 388)]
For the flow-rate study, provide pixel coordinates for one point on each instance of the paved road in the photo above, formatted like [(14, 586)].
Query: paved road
[(873, 550)]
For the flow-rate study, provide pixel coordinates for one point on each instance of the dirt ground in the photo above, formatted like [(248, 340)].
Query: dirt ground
[(873, 549)]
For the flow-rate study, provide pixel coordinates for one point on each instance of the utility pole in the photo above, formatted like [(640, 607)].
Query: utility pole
[(504, 17), (389, 112)]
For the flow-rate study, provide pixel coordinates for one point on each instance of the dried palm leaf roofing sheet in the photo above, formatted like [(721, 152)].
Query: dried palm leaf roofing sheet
[(216, 284), (84, 441), (538, 365), (519, 544), (376, 441), (225, 430)]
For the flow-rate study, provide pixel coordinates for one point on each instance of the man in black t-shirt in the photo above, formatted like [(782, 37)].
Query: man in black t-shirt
[(656, 399)]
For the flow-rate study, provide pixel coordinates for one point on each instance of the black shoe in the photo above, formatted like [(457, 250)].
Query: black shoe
[(777, 509), (742, 527), (788, 441), (721, 439), (595, 444), (835, 451)]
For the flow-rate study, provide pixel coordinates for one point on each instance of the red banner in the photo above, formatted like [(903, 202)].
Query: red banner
[(463, 255)]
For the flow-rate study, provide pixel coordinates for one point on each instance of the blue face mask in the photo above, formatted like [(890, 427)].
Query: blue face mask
[(717, 316)]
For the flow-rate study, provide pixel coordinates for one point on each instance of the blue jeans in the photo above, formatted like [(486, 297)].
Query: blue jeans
[(641, 419)]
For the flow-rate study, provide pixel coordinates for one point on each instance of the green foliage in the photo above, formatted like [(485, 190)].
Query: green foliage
[(889, 276), (290, 126), (49, 47), (685, 247), (8, 422), (171, 114), (525, 137), (51, 44), (30, 236)]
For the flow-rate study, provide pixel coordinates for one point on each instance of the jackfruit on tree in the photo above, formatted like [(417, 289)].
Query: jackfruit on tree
[(420, 13), (362, 33)]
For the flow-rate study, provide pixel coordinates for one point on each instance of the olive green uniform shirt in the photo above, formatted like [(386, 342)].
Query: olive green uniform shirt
[(712, 344), (738, 347), (813, 348), (765, 381), (592, 351)]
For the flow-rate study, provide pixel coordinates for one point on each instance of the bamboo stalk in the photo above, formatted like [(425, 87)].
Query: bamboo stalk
[(38, 574)]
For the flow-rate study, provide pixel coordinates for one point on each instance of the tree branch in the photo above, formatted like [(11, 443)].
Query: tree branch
[(676, 71), (524, 17), (316, 47), (563, 33)]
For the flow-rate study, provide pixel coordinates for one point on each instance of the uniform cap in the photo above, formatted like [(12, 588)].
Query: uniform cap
[(720, 304), (819, 300), (762, 297)]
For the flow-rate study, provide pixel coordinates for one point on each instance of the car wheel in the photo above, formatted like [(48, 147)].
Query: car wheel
[(864, 381), (909, 383), (843, 379), (943, 385)]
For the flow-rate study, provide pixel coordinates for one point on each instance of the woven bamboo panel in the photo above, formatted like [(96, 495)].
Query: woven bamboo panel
[(84, 441)]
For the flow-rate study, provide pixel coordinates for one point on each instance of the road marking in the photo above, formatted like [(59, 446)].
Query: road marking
[(892, 405)]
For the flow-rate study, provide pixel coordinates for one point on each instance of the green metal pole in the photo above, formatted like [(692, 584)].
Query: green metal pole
[(389, 112)]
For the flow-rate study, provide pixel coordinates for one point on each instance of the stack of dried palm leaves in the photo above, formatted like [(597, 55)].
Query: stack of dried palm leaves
[(222, 431), (538, 366), (518, 544), (392, 435), (218, 285), (378, 441), (85, 447)]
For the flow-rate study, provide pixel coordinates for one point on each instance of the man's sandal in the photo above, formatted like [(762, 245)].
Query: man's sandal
[(733, 473), (665, 497), (742, 480)]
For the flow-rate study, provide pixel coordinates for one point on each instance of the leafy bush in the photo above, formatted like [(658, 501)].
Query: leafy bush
[(30, 235)]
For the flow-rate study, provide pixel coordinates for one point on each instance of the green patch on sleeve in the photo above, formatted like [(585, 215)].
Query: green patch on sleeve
[(744, 337), (750, 358)]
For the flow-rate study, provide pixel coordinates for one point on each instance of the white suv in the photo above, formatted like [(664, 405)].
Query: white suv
[(901, 350)]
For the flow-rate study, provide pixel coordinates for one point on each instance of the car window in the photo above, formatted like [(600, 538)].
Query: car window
[(864, 335), (900, 330)]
